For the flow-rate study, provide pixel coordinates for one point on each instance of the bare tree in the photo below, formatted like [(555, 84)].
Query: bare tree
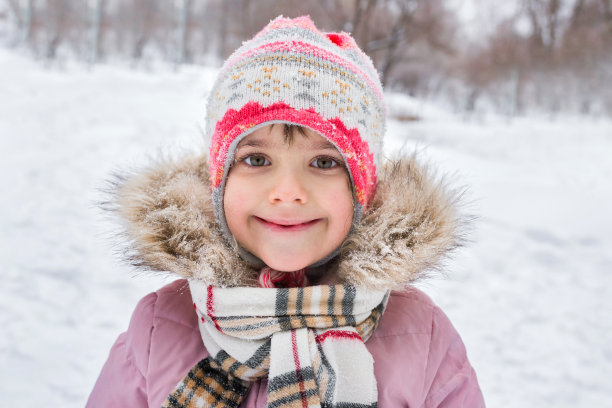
[(183, 8), (607, 7), (407, 32), (59, 20), (96, 13), (362, 16), (23, 12), (143, 20)]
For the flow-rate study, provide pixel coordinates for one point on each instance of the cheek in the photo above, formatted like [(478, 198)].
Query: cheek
[(235, 199), (235, 206), (340, 205)]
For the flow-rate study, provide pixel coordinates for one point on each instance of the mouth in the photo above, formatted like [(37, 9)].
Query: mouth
[(287, 225)]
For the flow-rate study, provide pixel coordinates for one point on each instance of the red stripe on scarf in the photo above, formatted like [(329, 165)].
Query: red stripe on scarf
[(209, 308), (296, 360), (338, 334), (270, 278)]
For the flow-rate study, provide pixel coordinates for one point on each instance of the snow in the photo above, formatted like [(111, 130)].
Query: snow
[(528, 295)]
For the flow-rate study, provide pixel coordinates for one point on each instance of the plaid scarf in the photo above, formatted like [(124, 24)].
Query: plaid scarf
[(309, 342)]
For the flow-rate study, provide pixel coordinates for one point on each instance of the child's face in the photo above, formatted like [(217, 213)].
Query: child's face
[(288, 203)]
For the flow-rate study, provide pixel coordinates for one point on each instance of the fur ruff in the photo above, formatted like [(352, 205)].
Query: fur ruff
[(167, 214)]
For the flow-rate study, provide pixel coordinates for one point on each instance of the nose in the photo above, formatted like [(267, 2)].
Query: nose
[(287, 186)]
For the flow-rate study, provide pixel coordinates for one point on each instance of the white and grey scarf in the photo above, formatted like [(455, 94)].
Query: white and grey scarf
[(305, 340)]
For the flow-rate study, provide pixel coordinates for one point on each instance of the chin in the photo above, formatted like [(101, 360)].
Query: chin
[(287, 265)]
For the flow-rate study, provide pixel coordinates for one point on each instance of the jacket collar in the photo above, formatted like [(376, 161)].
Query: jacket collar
[(167, 217)]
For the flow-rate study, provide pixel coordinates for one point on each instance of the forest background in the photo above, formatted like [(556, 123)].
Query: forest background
[(552, 56)]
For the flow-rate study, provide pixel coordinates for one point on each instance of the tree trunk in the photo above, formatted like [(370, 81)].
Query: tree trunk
[(390, 55), (223, 29), (183, 17), (26, 35), (607, 4), (576, 11), (361, 21), (95, 32)]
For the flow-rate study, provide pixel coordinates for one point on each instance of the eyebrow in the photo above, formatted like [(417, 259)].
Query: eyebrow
[(326, 144), (320, 145), (252, 143)]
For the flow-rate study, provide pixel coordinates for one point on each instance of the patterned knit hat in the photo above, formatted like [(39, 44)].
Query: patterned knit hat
[(291, 72)]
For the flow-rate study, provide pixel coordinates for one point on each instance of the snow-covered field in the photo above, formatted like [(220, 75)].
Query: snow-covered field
[(530, 295)]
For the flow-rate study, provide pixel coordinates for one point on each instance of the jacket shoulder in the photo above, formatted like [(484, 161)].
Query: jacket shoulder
[(140, 370), (138, 334), (174, 327), (174, 304), (416, 336), (409, 311)]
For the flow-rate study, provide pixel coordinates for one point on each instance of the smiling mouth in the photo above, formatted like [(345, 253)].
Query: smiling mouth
[(287, 226)]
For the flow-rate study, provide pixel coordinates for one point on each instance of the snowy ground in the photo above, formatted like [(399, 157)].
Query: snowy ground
[(528, 295)]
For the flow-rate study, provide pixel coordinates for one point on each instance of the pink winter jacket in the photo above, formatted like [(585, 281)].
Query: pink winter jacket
[(419, 358)]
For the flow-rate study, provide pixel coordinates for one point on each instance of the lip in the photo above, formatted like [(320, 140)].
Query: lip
[(287, 225)]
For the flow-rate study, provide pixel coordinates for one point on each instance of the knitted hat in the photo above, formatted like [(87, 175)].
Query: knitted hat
[(291, 72)]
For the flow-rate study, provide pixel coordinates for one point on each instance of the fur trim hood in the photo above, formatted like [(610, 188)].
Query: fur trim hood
[(167, 217)]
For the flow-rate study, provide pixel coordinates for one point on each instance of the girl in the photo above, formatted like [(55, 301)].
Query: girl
[(296, 246)]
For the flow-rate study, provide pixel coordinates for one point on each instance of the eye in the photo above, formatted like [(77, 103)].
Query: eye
[(256, 160), (324, 163)]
